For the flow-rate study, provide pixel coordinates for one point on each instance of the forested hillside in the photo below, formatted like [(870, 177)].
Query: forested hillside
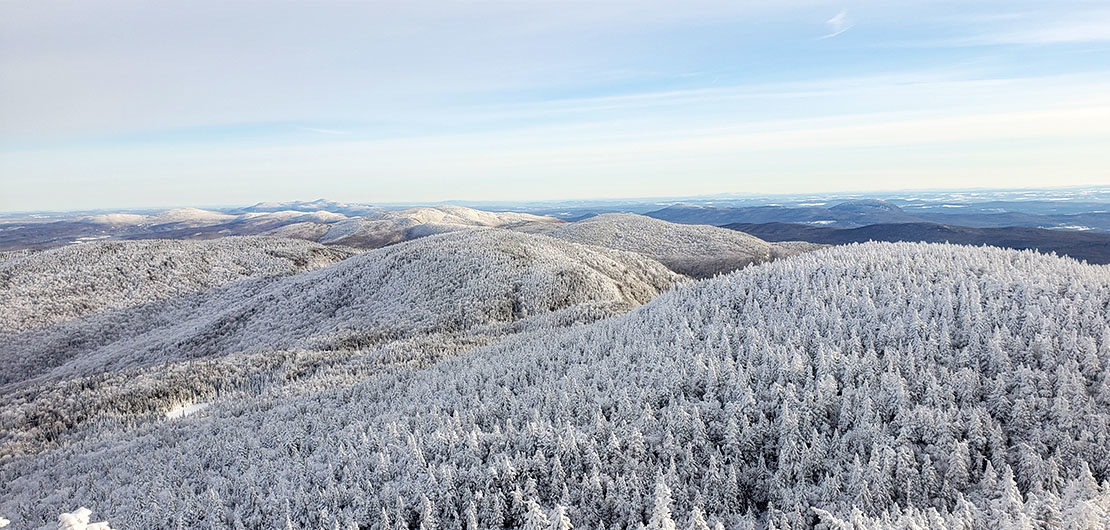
[(485, 282), (41, 288), (867, 386), (695, 250)]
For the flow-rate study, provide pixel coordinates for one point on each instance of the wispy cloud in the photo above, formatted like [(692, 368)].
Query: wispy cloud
[(1093, 29), (535, 99), (1037, 27), (838, 24)]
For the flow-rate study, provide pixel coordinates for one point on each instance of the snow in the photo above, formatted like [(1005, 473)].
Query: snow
[(79, 520), (185, 409), (191, 216), (319, 216), (303, 230), (484, 282), (696, 250), (402, 225), (47, 287), (341, 230), (118, 219)]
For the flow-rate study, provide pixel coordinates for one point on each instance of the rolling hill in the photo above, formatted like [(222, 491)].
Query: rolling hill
[(477, 282), (693, 250), (403, 225), (42, 288)]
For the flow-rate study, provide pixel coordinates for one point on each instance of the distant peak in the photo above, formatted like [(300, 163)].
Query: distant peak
[(858, 205)]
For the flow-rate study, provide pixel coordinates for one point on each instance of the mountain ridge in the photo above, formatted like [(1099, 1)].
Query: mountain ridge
[(470, 282), (694, 250)]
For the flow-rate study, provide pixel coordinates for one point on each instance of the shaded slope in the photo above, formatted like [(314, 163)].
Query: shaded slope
[(848, 213), (858, 213)]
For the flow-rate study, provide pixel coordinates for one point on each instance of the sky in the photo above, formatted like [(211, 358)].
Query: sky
[(147, 104)]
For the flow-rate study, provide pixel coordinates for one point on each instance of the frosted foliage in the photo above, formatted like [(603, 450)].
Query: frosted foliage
[(482, 282), (43, 288), (6, 255), (868, 386), (661, 512), (536, 519), (695, 250), (560, 520), (79, 520)]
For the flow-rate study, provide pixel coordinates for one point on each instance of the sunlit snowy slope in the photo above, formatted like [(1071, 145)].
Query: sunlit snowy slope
[(700, 251)]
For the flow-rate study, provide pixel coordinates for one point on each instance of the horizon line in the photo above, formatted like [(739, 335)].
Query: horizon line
[(627, 199)]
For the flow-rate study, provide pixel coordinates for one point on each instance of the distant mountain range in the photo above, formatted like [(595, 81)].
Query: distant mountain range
[(857, 213), (358, 226), (693, 250), (1090, 246), (371, 226)]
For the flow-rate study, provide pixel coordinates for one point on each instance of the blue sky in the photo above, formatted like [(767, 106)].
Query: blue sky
[(136, 104)]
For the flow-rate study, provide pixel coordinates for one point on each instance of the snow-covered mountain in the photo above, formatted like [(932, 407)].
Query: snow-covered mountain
[(179, 223), (484, 282), (867, 386), (42, 288), (345, 208), (240, 224), (403, 225), (330, 223), (182, 217), (700, 251)]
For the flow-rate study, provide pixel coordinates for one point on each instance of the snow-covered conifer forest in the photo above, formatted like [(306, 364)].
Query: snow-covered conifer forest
[(500, 371)]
